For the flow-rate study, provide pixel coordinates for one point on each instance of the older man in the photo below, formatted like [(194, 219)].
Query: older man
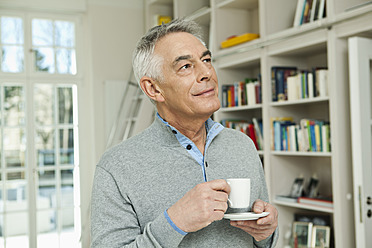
[(165, 187)]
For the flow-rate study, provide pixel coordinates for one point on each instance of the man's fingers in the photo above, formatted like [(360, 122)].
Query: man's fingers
[(221, 196), (220, 185)]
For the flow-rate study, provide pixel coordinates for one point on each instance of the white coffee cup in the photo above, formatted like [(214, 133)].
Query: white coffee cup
[(240, 193)]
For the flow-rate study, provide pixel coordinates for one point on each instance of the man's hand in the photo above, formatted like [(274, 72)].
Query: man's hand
[(205, 203), (263, 227)]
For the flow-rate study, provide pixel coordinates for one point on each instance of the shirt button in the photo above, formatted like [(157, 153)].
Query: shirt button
[(174, 131), (188, 147)]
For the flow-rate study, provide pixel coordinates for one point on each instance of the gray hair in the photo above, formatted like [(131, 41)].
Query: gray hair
[(145, 63)]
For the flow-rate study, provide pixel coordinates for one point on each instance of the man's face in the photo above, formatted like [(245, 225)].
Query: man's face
[(189, 86)]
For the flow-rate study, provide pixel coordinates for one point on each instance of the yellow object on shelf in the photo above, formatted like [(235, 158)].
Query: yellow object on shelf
[(239, 39)]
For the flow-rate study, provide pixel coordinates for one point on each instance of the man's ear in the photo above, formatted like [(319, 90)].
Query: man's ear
[(151, 89)]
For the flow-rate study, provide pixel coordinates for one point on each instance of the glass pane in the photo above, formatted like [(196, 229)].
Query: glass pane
[(14, 147), (67, 219), (16, 191), (16, 224), (44, 104), (65, 105), (47, 189), (42, 32), (11, 30), (66, 145), (44, 60), (65, 34), (1, 202), (66, 61), (47, 229), (12, 59), (17, 241), (67, 188), (14, 106), (69, 238), (45, 147)]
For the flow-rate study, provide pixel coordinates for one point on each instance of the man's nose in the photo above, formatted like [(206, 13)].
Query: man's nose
[(205, 72)]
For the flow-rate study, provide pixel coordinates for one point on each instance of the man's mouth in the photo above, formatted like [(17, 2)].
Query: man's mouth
[(206, 92)]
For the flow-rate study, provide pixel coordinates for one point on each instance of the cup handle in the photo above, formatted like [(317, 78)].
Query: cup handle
[(228, 200)]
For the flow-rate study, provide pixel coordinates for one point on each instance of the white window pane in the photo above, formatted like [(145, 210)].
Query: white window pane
[(47, 229), (46, 197), (69, 238), (66, 145), (16, 224), (14, 143), (17, 241), (16, 191), (65, 34), (11, 30), (44, 60), (12, 59), (65, 105), (42, 32), (45, 147), (67, 189), (44, 104), (66, 61), (14, 106)]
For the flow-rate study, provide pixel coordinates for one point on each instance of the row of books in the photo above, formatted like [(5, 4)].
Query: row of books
[(309, 135), (253, 129), (289, 83), (241, 93), (309, 11), (307, 84)]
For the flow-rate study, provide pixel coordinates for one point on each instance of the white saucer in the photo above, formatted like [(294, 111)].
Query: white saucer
[(245, 216)]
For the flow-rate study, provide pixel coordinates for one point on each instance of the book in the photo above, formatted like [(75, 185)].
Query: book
[(272, 120), (251, 92), (321, 9), (279, 75), (235, 40), (318, 201), (162, 19), (299, 11), (286, 198), (322, 82), (313, 10), (258, 130)]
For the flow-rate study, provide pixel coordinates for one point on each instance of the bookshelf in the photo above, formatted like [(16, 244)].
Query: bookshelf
[(320, 43)]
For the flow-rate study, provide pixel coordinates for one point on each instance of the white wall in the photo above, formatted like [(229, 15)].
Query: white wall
[(109, 32), (112, 30)]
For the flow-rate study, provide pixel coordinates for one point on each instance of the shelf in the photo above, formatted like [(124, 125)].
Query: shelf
[(302, 154), (167, 2), (304, 206), (241, 108), (301, 101), (201, 16), (238, 4)]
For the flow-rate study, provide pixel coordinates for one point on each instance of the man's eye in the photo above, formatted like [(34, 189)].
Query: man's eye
[(186, 66), (207, 60)]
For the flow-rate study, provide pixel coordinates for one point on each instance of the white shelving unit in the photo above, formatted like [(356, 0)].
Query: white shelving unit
[(322, 43)]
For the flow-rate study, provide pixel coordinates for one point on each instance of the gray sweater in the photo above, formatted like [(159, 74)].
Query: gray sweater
[(137, 180)]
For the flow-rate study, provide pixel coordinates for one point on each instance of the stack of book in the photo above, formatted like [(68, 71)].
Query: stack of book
[(309, 135), (241, 93), (252, 129), (309, 11), (288, 83), (308, 84)]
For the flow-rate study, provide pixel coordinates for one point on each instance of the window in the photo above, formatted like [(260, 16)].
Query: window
[(39, 156)]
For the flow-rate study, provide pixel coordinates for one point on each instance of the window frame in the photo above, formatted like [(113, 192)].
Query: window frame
[(29, 78)]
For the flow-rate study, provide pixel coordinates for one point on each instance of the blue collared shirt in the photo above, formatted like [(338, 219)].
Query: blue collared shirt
[(213, 128)]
